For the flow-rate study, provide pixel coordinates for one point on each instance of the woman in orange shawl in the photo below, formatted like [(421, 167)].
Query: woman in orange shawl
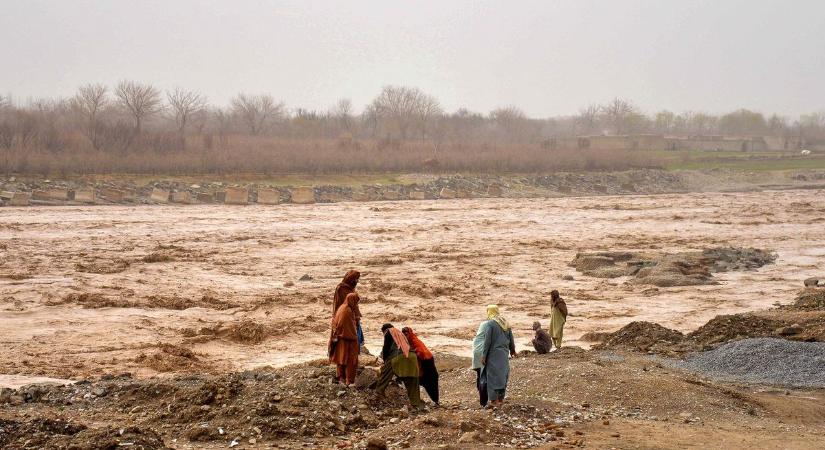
[(344, 288), (428, 374), (343, 343)]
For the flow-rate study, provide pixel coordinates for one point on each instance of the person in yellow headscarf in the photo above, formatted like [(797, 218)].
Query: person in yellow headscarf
[(498, 346)]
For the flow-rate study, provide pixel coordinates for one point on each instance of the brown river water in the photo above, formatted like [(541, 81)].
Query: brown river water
[(87, 291)]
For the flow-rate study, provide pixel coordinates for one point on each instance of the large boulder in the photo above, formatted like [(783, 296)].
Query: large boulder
[(85, 196), (674, 271), (159, 195), (584, 263), (113, 195), (184, 197), (51, 194), (447, 194), (269, 196), (495, 190), (302, 195), (330, 197), (16, 198), (236, 196), (418, 195)]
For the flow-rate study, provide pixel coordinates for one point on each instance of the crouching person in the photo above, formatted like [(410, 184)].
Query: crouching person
[(541, 342), (428, 378), (399, 361)]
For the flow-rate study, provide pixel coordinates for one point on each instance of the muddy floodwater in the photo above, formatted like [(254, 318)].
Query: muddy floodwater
[(87, 291)]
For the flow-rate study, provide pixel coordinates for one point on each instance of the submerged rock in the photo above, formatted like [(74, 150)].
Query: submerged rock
[(667, 270)]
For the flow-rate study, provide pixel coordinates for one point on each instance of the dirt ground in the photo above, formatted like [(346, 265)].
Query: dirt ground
[(89, 291), (568, 399)]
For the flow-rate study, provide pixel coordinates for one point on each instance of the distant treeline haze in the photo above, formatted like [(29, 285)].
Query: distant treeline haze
[(137, 128)]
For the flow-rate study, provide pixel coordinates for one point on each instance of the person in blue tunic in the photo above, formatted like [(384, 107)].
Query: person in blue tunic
[(498, 347)]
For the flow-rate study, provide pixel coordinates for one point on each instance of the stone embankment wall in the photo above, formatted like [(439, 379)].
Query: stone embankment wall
[(15, 192)]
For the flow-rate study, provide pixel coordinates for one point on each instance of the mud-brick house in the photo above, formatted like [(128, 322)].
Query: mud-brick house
[(604, 142), (722, 143), (660, 142)]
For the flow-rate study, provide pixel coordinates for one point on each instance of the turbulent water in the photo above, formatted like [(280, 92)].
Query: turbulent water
[(91, 290)]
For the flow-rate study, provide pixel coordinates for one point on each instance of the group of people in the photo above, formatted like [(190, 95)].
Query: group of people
[(544, 341), (407, 359), (404, 355)]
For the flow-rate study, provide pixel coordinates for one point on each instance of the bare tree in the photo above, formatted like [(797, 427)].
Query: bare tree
[(222, 119), (369, 120), (465, 125), (140, 100), (427, 108), (620, 115), (511, 120), (588, 119), (664, 121), (184, 105), (342, 113), (257, 111), (396, 107), (5, 102), (88, 103)]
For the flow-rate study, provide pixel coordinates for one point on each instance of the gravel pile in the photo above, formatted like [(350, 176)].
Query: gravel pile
[(763, 361)]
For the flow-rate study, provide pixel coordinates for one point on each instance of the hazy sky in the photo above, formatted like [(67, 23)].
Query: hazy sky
[(548, 57)]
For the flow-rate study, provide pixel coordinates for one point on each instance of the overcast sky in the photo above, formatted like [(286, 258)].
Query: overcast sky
[(547, 57)]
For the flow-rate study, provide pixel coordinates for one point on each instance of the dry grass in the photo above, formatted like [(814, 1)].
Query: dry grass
[(243, 154)]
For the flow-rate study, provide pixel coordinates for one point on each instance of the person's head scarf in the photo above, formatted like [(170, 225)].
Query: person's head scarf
[(493, 314), (351, 278), (554, 295), (421, 350), (399, 338), (352, 300)]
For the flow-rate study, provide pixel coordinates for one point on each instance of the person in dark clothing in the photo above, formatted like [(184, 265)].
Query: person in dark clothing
[(401, 361), (542, 342), (426, 363)]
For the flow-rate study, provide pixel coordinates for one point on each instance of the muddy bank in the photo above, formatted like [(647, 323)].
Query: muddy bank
[(23, 191), (568, 399)]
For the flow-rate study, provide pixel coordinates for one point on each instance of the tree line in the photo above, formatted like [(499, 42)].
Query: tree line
[(133, 116)]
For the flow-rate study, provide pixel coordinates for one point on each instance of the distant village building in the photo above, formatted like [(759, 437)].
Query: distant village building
[(661, 142)]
